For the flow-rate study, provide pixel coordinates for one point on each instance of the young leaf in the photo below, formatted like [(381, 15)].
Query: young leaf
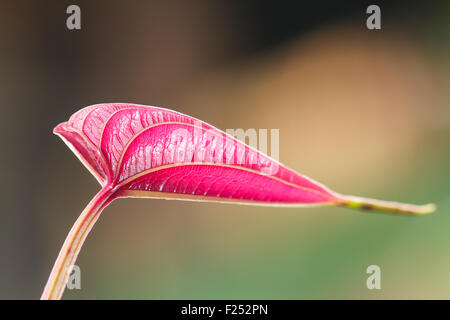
[(142, 151)]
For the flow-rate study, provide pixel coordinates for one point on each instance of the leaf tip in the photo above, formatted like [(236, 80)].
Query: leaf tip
[(388, 206), (426, 209)]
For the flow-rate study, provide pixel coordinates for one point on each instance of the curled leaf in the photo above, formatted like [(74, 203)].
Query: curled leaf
[(142, 151)]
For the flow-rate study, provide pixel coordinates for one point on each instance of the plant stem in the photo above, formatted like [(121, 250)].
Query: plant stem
[(72, 245), (386, 206)]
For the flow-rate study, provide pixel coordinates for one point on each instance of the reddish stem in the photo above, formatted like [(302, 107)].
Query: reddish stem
[(74, 241)]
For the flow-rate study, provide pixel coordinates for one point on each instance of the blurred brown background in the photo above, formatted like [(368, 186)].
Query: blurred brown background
[(365, 112)]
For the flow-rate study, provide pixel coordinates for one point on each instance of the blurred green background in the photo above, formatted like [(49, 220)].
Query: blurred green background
[(364, 112)]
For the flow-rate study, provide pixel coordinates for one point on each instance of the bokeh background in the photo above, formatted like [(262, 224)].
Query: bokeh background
[(364, 112)]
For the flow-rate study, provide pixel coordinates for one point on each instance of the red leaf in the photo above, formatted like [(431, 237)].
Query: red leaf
[(160, 153), (141, 151)]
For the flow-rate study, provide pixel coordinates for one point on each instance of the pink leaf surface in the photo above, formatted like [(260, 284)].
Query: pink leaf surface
[(155, 152), (143, 151)]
